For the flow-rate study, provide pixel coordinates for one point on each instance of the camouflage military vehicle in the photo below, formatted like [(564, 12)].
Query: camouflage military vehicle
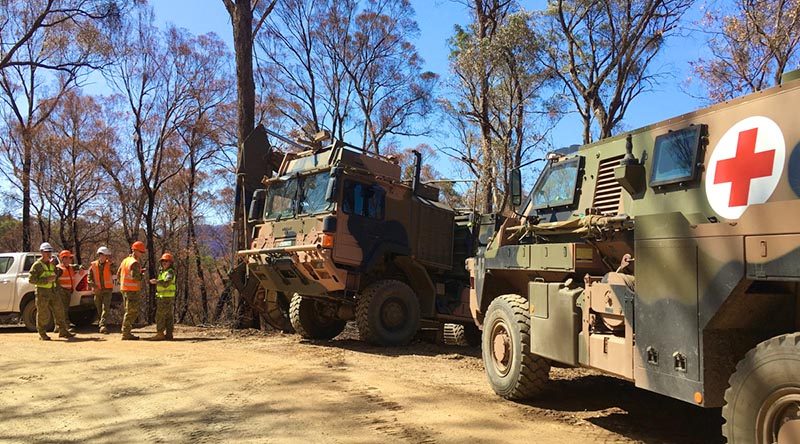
[(340, 234), (668, 256)]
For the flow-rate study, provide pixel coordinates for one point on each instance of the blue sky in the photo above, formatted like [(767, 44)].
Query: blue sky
[(436, 20)]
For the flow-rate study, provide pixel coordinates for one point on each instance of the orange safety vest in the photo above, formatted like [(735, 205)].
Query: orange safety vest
[(104, 281), (127, 281), (67, 278)]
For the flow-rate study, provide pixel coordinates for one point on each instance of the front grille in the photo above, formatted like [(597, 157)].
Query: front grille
[(608, 191)]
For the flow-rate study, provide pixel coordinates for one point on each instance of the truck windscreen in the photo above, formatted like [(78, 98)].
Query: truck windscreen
[(282, 197), (556, 186)]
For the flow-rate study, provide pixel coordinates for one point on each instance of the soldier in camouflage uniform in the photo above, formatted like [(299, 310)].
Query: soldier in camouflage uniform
[(131, 278), (43, 276), (102, 285), (165, 296)]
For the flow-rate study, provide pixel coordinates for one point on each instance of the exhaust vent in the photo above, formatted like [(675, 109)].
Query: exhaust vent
[(608, 191)]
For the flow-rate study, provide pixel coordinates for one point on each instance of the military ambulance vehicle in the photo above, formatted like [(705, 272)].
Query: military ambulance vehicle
[(668, 256), (340, 234)]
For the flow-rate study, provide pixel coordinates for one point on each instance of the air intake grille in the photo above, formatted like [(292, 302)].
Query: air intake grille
[(608, 191)]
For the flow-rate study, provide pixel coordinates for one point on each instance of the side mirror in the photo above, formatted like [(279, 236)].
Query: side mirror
[(516, 187), (257, 205), (333, 184)]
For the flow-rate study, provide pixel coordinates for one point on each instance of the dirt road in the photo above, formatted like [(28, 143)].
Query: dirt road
[(218, 386)]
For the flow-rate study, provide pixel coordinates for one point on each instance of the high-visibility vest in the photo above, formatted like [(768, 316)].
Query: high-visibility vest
[(67, 278), (127, 281), (168, 290), (103, 280), (49, 270)]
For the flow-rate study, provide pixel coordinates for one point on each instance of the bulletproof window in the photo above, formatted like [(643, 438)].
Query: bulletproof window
[(281, 199), (5, 264), (313, 193), (556, 185), (363, 200), (676, 156)]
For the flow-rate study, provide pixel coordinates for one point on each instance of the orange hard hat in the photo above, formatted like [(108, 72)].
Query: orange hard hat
[(166, 257), (65, 253), (139, 246)]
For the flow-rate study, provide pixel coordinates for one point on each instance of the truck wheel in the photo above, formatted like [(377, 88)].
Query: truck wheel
[(29, 317), (454, 334), (83, 318), (387, 313), (465, 335), (762, 402), (513, 371), (310, 321)]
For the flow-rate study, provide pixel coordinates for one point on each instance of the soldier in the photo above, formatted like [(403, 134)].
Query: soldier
[(165, 294), (43, 276), (102, 285), (131, 278), (65, 274)]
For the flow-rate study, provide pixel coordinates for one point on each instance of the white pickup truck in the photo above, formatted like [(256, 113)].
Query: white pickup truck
[(17, 302)]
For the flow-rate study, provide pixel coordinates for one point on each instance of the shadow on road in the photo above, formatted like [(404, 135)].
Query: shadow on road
[(618, 406)]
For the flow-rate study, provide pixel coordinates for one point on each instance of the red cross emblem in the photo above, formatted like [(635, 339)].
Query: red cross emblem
[(746, 166)]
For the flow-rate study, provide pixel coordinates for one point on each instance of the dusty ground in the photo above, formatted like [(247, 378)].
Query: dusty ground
[(217, 386)]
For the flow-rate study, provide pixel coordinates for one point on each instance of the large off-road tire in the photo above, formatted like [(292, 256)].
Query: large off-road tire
[(464, 335), (29, 317), (387, 313), (83, 318), (762, 403), (310, 321), (513, 371)]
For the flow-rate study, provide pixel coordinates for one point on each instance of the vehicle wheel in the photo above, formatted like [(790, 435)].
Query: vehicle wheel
[(464, 335), (513, 371), (83, 318), (762, 402), (310, 320), (454, 334), (387, 313), (275, 310), (29, 317)]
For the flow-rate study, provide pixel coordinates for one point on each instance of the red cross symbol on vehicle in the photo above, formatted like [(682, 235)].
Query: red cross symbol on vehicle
[(745, 166)]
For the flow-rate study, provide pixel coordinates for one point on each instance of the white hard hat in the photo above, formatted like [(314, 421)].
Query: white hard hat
[(46, 247), (104, 250)]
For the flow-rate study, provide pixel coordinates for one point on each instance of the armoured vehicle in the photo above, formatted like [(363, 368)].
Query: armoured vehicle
[(341, 236), (668, 256)]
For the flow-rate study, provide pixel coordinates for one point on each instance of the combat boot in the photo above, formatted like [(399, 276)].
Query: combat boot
[(130, 337), (103, 330), (44, 338), (158, 337), (67, 334)]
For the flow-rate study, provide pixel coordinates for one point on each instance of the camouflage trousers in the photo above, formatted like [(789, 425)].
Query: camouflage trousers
[(133, 300), (65, 295), (165, 315), (102, 302), (49, 306)]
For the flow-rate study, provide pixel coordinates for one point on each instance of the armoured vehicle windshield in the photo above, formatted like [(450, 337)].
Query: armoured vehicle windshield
[(556, 185), (282, 196)]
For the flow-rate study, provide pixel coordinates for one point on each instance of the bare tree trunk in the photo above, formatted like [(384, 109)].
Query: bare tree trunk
[(26, 192)]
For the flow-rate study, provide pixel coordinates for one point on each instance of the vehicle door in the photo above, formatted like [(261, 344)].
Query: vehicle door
[(8, 282), (359, 227)]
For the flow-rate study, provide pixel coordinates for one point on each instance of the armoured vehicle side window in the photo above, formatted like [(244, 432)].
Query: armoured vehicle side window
[(675, 156), (363, 200), (556, 186), (5, 264), (281, 199), (314, 188)]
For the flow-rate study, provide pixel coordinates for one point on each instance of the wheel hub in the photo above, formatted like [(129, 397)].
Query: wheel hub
[(501, 348), (779, 417), (393, 314)]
